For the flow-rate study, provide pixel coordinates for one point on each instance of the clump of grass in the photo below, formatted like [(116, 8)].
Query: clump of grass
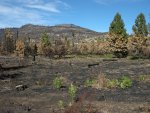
[(100, 82), (144, 78), (89, 82), (57, 82)]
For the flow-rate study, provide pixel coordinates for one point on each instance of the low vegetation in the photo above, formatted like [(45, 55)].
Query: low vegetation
[(104, 83), (61, 104), (57, 83), (125, 82), (118, 44), (144, 78), (72, 90), (89, 82)]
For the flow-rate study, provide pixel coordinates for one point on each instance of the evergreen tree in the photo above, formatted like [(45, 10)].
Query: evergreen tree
[(140, 27), (45, 39), (118, 37), (117, 27)]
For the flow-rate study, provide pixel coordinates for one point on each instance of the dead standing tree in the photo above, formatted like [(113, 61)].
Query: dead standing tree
[(20, 47)]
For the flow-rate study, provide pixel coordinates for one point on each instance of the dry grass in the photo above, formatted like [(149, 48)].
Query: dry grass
[(101, 82), (144, 78)]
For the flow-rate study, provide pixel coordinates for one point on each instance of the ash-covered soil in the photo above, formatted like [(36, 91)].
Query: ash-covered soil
[(26, 86)]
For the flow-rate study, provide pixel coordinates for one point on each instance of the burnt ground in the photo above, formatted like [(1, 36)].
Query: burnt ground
[(39, 96)]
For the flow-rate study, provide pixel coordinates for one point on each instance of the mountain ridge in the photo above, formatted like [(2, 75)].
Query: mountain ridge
[(70, 31)]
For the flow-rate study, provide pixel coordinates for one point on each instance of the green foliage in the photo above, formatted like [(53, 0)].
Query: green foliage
[(140, 27), (72, 91), (117, 27), (114, 83), (118, 37), (125, 82), (61, 104), (45, 39), (89, 82), (57, 82)]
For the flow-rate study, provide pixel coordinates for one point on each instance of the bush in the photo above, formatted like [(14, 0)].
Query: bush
[(118, 46), (48, 51), (57, 82), (114, 83), (139, 47), (61, 48), (89, 82), (72, 91), (61, 104), (135, 46), (125, 82), (146, 52)]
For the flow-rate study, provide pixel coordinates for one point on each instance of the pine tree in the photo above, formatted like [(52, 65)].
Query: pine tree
[(117, 27), (45, 39), (46, 45), (140, 27), (118, 37)]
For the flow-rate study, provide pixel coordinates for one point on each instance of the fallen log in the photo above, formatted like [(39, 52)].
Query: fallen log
[(110, 59), (12, 68), (21, 87), (91, 65)]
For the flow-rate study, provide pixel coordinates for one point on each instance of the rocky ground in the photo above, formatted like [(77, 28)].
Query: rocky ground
[(26, 86)]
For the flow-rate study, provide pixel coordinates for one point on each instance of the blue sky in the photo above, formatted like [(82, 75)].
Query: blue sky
[(93, 14)]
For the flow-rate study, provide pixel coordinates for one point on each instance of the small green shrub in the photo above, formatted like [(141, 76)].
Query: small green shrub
[(57, 83), (125, 82), (61, 104), (89, 82), (72, 91), (114, 83)]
